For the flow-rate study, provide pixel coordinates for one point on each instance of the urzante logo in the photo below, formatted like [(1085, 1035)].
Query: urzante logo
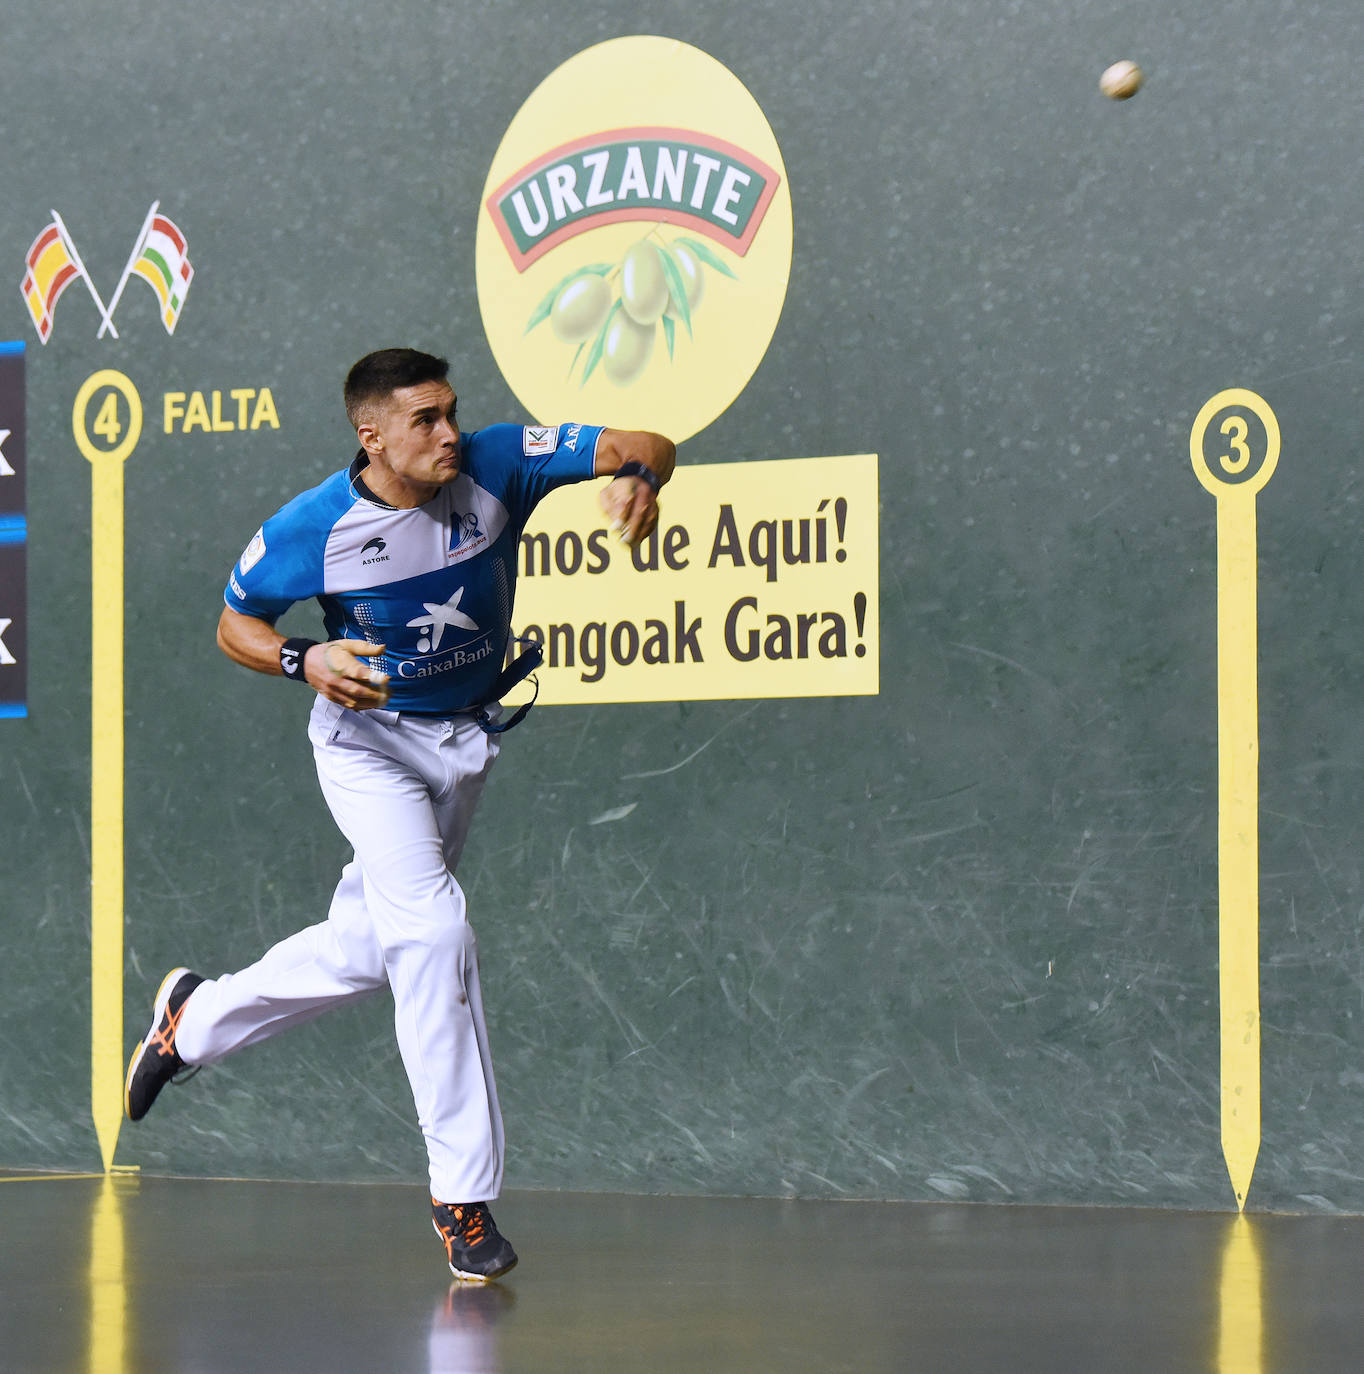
[(6, 657), (634, 248), (378, 545), (160, 257), (674, 176)]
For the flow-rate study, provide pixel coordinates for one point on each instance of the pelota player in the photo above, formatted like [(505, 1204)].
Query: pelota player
[(411, 553)]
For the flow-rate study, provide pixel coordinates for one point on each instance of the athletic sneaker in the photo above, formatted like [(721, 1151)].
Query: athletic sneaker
[(476, 1249), (156, 1061)]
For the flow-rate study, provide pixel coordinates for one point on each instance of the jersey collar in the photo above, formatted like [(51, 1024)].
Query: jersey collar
[(358, 484)]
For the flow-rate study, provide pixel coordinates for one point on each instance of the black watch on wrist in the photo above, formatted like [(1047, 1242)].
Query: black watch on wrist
[(640, 470)]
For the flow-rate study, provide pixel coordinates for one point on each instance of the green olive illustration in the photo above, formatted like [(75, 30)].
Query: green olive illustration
[(626, 351), (643, 287), (580, 308), (689, 265)]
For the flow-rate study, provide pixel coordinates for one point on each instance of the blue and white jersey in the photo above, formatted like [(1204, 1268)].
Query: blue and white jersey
[(433, 584)]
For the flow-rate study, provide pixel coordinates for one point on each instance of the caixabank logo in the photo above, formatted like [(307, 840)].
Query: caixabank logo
[(634, 240)]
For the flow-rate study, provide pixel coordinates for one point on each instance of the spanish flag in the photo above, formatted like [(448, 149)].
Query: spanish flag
[(161, 258), (51, 266)]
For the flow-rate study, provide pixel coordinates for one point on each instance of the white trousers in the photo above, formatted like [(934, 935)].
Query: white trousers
[(403, 791)]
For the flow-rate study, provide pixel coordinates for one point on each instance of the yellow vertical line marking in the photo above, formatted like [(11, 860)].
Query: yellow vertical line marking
[(1238, 838), (106, 806), (1234, 477), (107, 1343), (106, 739), (1240, 1334)]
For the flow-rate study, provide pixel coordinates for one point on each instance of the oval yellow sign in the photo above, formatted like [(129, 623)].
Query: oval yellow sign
[(634, 240)]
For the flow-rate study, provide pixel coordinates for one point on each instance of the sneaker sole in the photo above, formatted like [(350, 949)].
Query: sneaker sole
[(474, 1278), (158, 1011)]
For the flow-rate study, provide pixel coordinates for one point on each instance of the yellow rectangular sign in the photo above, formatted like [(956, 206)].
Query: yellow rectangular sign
[(760, 581)]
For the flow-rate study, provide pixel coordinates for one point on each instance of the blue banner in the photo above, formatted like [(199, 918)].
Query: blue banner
[(13, 537)]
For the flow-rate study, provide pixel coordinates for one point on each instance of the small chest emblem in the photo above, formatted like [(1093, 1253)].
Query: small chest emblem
[(464, 531)]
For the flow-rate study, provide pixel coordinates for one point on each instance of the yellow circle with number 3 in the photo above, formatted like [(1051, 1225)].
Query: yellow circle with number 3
[(1239, 467), (634, 240)]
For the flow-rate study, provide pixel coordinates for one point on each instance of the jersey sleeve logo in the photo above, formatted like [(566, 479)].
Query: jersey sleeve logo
[(536, 439), (253, 552)]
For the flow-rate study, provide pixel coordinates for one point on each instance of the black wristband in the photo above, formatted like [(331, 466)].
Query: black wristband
[(291, 655), (640, 470)]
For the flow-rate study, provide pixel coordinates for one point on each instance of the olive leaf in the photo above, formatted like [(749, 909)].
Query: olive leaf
[(669, 330), (677, 288), (541, 312), (594, 357), (578, 353), (707, 256)]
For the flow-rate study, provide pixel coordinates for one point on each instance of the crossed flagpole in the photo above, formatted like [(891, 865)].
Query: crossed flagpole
[(69, 244), (160, 256), (127, 272)]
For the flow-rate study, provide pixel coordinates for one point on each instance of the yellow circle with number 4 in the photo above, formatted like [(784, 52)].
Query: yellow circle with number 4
[(634, 240), (107, 425)]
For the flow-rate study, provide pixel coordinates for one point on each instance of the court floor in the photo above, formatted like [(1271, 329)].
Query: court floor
[(134, 1275)]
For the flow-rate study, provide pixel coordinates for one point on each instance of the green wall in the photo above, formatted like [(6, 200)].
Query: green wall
[(957, 940)]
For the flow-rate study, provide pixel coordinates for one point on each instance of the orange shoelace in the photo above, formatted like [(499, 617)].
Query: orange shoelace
[(468, 1226), (164, 1038)]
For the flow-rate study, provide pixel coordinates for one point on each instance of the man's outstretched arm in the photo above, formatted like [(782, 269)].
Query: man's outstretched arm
[(631, 501)]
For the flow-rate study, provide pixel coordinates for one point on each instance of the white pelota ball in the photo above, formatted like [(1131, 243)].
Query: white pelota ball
[(1121, 81)]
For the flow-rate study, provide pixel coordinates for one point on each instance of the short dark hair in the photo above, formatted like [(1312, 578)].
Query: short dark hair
[(378, 375)]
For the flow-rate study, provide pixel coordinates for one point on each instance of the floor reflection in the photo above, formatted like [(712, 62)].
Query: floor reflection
[(107, 1343), (253, 1278), (463, 1336), (1240, 1340)]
